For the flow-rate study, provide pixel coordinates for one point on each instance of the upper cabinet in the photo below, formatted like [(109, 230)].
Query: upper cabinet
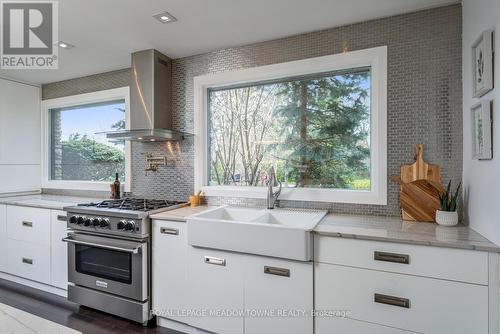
[(19, 136)]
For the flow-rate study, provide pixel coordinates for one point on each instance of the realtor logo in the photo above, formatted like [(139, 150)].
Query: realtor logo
[(29, 35)]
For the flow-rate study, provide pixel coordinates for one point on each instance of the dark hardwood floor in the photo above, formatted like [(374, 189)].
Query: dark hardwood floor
[(59, 310)]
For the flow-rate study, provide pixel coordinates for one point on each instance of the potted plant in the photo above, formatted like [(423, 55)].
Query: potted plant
[(447, 214)]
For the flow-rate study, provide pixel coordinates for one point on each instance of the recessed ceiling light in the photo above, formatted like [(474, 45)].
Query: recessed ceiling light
[(64, 45), (165, 17)]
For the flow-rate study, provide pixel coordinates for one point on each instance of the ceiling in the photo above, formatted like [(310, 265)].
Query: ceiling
[(105, 32)]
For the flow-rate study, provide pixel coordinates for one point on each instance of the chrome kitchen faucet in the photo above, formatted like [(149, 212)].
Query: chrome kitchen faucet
[(272, 196)]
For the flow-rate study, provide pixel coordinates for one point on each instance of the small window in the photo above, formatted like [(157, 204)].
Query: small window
[(314, 130), (79, 151)]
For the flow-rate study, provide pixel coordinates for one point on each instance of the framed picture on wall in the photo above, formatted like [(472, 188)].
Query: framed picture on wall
[(482, 64), (482, 127)]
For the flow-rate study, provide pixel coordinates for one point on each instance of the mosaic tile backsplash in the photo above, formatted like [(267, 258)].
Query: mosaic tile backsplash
[(424, 98)]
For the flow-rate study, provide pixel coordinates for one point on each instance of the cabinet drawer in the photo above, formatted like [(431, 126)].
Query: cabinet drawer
[(28, 224), (445, 263), (276, 284), (324, 325), (433, 306), (216, 285), (29, 260)]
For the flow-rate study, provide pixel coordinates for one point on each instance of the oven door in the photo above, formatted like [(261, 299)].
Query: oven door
[(110, 265)]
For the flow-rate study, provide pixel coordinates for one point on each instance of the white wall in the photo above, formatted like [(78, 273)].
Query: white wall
[(481, 178)]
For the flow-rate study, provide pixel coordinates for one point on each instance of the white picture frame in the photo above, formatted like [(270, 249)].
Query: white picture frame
[(482, 129), (482, 64)]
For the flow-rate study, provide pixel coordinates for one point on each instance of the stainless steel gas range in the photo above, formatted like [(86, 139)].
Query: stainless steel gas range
[(109, 255)]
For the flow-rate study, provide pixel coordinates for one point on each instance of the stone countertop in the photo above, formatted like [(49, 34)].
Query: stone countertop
[(54, 202), (391, 229), (387, 229), (181, 214)]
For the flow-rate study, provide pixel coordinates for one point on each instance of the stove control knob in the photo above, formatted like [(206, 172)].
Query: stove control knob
[(130, 226), (87, 222), (95, 222), (80, 220), (103, 222), (121, 225), (73, 220)]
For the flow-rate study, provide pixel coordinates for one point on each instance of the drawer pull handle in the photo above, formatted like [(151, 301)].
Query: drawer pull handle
[(391, 300), (27, 261), (27, 224), (168, 230), (391, 257), (277, 271), (215, 261), (62, 218)]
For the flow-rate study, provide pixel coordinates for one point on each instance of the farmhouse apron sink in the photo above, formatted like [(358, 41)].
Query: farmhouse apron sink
[(283, 233)]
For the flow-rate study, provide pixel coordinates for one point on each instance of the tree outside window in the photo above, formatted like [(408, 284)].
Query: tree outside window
[(314, 130)]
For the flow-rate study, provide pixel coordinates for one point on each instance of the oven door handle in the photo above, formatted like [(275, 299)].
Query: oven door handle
[(120, 249)]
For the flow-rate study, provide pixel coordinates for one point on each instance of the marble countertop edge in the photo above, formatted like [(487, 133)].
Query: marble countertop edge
[(486, 248)]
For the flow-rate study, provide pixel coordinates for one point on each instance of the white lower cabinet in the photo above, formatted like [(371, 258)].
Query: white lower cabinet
[(29, 260), (283, 290), (391, 288), (58, 250), (375, 288), (3, 238), (240, 293), (31, 241), (169, 269), (228, 293), (216, 290), (28, 245)]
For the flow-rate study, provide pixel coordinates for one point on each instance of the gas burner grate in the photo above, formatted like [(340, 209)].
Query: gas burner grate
[(133, 204)]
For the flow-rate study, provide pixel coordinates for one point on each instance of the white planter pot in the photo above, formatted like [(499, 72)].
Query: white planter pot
[(447, 218)]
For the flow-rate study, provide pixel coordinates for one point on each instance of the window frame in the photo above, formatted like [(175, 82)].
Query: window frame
[(122, 93), (375, 58)]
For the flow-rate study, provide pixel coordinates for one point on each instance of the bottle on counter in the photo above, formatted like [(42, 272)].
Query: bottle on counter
[(116, 187)]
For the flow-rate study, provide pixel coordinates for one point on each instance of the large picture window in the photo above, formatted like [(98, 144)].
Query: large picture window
[(77, 153), (79, 150), (320, 122), (314, 130)]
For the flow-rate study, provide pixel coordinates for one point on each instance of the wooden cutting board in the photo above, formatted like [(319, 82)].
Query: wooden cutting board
[(420, 170), (420, 200), (420, 188)]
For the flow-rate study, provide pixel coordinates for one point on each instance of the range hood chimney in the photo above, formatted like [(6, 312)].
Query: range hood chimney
[(150, 100)]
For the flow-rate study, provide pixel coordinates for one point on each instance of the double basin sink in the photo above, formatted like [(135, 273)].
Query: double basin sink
[(283, 233)]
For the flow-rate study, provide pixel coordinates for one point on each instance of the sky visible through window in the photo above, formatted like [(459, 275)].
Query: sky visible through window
[(92, 120)]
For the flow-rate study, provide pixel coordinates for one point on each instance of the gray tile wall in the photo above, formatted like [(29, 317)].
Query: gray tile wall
[(88, 84), (424, 98)]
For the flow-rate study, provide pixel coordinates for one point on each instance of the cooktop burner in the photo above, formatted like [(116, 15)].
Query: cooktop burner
[(132, 204)]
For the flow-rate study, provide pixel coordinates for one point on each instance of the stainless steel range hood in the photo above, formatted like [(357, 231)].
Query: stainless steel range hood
[(150, 100)]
